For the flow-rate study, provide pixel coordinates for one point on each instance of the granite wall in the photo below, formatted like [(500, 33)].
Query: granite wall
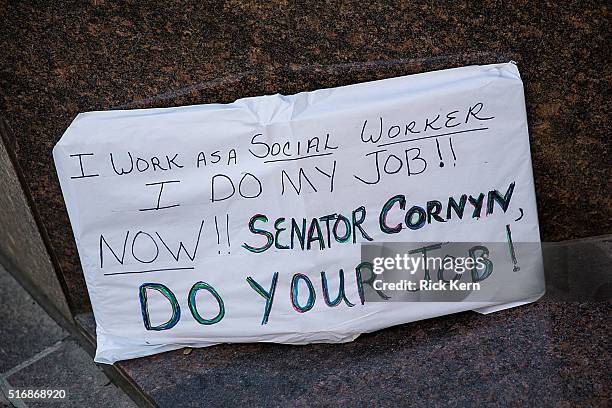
[(22, 250), (63, 58)]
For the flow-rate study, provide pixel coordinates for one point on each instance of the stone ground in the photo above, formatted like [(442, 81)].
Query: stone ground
[(36, 353)]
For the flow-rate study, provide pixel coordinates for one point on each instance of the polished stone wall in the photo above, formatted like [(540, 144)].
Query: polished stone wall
[(21, 246), (61, 59)]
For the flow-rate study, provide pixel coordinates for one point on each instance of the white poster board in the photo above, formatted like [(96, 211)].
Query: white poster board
[(207, 224)]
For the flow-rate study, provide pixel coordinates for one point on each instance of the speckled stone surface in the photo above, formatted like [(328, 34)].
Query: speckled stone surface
[(546, 354), (59, 59), (22, 249)]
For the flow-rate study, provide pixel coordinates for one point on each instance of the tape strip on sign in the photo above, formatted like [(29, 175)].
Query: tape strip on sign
[(244, 222)]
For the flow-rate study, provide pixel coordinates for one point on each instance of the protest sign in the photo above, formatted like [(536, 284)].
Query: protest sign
[(243, 222)]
